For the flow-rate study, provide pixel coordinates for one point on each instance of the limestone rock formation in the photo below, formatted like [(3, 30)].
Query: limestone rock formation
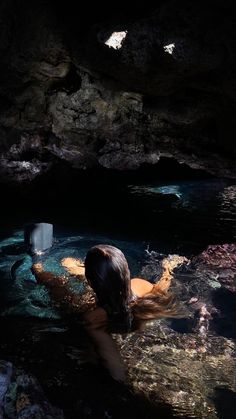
[(66, 95)]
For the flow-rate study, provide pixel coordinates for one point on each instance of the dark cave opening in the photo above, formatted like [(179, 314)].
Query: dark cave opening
[(70, 83)]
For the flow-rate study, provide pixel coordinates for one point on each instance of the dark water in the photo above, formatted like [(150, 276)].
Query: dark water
[(168, 217), (173, 217), (188, 215)]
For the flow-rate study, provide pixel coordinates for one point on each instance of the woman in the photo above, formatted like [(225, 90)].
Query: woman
[(119, 302)]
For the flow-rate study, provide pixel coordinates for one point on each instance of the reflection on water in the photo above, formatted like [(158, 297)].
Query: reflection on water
[(173, 217), (194, 210), (162, 190), (201, 195), (228, 204)]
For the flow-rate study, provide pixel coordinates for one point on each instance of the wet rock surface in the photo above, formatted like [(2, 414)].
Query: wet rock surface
[(66, 95), (176, 368), (22, 397)]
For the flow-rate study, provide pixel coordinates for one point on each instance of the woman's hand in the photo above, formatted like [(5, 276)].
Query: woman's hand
[(37, 268), (168, 264), (74, 266)]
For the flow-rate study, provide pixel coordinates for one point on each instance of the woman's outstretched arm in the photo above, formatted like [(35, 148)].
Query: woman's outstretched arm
[(142, 287), (168, 264), (96, 327), (59, 287), (95, 321)]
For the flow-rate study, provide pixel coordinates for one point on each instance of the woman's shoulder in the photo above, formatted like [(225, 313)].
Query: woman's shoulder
[(140, 286)]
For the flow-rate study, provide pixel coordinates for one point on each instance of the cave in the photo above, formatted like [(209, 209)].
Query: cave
[(117, 127)]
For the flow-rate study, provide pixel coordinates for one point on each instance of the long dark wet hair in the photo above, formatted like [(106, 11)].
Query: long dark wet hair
[(107, 271)]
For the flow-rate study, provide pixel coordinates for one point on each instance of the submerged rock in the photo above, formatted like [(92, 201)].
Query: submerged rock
[(180, 370), (22, 397), (186, 363), (219, 262), (5, 378)]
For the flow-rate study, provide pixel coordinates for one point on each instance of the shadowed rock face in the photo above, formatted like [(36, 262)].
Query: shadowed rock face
[(169, 91)]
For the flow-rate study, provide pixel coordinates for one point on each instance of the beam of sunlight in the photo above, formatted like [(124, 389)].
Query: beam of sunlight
[(116, 39), (169, 48)]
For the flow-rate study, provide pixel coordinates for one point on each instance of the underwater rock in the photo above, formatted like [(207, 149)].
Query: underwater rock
[(5, 378), (222, 256), (179, 370), (219, 263), (183, 362), (22, 397)]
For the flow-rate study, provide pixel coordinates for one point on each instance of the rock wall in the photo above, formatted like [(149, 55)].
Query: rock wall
[(65, 95)]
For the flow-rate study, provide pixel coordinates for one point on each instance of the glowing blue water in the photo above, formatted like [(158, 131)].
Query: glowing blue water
[(177, 217), (20, 292)]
